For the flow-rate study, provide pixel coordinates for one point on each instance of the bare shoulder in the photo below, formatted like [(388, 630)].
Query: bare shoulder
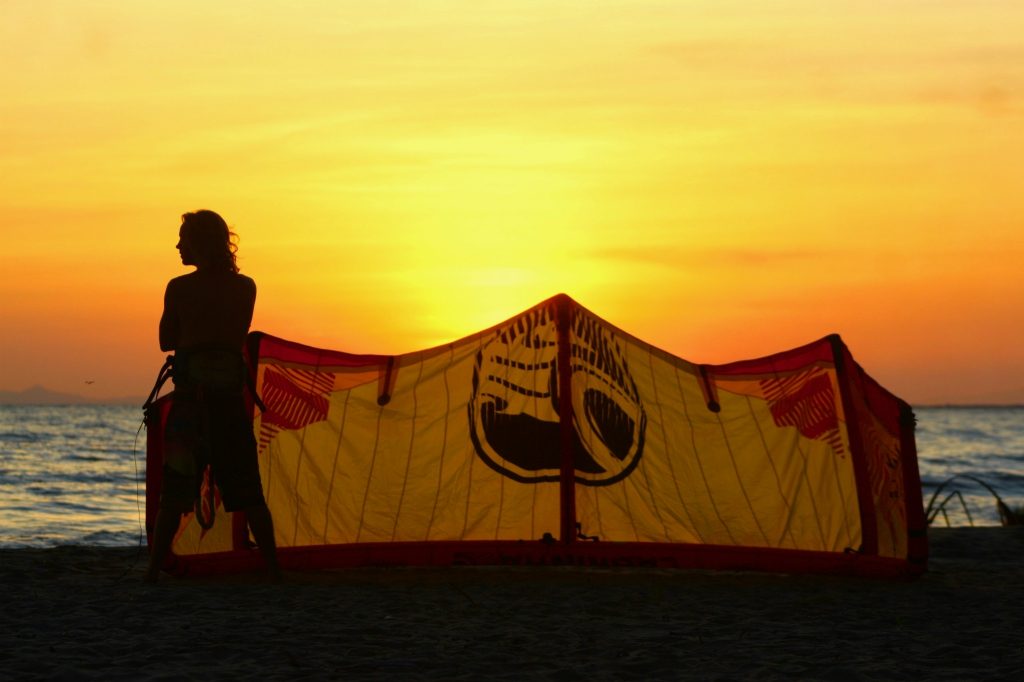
[(246, 281), (246, 285), (178, 284)]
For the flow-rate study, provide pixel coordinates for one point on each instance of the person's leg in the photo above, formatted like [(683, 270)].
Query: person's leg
[(167, 522), (262, 526), (236, 468), (178, 487)]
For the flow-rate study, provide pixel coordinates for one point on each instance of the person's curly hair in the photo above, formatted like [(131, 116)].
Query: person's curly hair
[(211, 239)]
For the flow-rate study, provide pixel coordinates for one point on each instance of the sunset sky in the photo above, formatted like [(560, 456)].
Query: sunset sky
[(722, 179)]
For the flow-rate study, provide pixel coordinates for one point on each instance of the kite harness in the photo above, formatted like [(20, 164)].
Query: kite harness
[(196, 372)]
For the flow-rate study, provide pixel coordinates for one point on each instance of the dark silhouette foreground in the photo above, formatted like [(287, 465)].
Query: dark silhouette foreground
[(206, 317)]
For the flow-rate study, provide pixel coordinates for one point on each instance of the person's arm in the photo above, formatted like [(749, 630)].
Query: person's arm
[(169, 322), (250, 301)]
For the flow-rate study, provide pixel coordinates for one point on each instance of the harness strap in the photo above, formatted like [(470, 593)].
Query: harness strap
[(250, 383), (161, 378)]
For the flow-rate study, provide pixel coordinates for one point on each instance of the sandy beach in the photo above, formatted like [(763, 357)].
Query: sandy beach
[(84, 613)]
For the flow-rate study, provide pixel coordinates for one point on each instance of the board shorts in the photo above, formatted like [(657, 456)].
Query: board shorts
[(209, 424)]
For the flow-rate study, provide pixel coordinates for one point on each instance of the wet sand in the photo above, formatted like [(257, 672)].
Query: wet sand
[(84, 613)]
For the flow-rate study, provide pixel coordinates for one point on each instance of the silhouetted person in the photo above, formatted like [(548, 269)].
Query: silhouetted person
[(205, 322)]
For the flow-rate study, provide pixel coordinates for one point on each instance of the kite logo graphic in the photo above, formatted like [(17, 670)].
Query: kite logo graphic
[(513, 412), (806, 401), (294, 399)]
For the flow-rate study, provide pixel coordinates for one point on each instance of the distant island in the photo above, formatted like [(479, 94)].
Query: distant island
[(38, 395)]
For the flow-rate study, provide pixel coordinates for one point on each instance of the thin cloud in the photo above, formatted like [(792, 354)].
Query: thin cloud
[(710, 258), (995, 100)]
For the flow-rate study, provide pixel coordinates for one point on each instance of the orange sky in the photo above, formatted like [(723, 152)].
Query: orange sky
[(722, 179)]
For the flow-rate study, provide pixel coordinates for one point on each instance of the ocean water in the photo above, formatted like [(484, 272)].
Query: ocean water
[(983, 443), (71, 474), (75, 474)]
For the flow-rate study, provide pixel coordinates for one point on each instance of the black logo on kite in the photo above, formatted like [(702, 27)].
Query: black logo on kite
[(513, 412)]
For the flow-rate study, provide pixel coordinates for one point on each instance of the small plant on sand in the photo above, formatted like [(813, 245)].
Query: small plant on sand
[(1011, 516), (1008, 516)]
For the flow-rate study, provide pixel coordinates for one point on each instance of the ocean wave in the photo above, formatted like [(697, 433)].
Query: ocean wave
[(21, 437), (78, 507), (108, 538), (46, 491), (969, 434), (86, 458)]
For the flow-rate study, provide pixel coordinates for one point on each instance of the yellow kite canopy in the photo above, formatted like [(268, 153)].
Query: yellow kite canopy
[(557, 438)]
